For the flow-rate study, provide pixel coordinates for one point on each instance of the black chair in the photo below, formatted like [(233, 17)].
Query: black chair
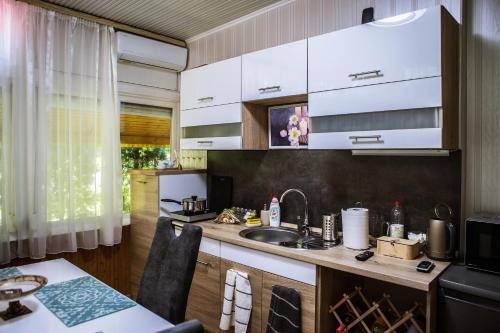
[(191, 326), (169, 270)]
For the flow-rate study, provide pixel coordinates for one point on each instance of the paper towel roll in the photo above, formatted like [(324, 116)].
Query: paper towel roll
[(355, 228)]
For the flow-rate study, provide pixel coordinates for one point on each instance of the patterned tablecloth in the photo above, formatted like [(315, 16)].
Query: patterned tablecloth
[(79, 300), (9, 272)]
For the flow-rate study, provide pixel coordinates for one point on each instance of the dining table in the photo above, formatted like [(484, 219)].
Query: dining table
[(135, 318)]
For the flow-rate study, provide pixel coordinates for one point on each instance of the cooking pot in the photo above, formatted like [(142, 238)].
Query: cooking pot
[(192, 205)]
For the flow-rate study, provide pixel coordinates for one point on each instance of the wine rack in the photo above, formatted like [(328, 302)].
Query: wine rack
[(380, 316)]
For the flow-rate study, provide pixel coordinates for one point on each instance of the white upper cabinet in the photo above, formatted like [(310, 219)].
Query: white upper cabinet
[(275, 72), (214, 84), (212, 115), (390, 84), (398, 115), (412, 94), (212, 128), (399, 48)]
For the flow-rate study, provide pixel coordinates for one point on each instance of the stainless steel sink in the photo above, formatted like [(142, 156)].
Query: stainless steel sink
[(285, 237), (271, 235)]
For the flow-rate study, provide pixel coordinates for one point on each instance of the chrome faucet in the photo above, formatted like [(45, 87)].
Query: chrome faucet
[(305, 225)]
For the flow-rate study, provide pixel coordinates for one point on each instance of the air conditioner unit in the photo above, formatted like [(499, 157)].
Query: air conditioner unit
[(151, 52)]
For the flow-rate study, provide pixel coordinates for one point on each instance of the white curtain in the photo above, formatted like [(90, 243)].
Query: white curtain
[(60, 167)]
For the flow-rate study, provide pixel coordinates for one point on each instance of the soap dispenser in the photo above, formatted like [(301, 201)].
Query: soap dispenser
[(264, 216)]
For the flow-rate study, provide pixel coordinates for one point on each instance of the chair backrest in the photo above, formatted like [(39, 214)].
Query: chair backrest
[(169, 270), (191, 326)]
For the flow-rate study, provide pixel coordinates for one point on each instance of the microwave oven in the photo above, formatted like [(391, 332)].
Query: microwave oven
[(482, 243)]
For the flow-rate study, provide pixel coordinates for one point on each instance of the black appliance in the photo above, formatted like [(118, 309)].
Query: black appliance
[(188, 218), (469, 301), (220, 193), (367, 15), (482, 243)]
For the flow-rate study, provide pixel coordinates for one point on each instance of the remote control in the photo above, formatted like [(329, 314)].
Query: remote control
[(363, 256), (425, 266)]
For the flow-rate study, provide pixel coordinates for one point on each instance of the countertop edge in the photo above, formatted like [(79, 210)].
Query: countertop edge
[(329, 264), (295, 254)]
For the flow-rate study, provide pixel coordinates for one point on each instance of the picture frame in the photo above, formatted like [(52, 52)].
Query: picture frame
[(286, 126)]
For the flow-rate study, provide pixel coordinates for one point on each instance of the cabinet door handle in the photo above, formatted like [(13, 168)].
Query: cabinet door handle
[(266, 89), (366, 75), (206, 142), (205, 99), (204, 263), (360, 139)]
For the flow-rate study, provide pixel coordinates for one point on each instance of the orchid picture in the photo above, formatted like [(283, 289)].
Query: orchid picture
[(288, 126)]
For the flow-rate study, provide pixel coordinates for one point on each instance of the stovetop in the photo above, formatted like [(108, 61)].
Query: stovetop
[(183, 217)]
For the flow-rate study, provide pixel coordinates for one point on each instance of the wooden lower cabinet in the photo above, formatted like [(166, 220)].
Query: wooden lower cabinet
[(307, 299), (204, 301), (255, 277), (143, 218), (207, 295)]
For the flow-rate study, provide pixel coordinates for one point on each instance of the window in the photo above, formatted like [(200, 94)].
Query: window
[(74, 158), (60, 148), (145, 133)]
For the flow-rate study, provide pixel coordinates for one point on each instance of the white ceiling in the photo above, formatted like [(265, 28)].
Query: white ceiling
[(180, 19)]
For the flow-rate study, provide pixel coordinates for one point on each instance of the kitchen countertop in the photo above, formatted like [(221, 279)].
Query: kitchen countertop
[(393, 270), (163, 172)]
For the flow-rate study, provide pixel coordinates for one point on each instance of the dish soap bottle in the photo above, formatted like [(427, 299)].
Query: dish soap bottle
[(274, 212)]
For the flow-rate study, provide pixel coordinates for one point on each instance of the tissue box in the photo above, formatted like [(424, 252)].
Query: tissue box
[(398, 247)]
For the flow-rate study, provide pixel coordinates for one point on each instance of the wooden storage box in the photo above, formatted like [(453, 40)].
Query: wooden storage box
[(398, 247)]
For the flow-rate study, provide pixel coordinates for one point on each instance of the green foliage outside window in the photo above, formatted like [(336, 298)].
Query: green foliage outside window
[(139, 158)]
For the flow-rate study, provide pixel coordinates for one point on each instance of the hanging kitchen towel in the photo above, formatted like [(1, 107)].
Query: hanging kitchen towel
[(284, 311), (237, 302)]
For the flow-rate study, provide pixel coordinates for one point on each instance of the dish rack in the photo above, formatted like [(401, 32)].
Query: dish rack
[(383, 312)]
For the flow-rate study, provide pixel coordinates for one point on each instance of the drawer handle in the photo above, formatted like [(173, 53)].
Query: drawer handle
[(363, 75), (205, 99), (268, 89), (205, 142), (360, 139), (142, 181), (204, 263)]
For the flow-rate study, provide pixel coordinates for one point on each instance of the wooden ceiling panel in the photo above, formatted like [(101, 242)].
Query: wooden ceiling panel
[(180, 19)]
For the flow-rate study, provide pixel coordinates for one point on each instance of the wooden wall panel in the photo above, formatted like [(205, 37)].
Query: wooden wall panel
[(110, 264), (482, 181), (271, 39), (297, 20)]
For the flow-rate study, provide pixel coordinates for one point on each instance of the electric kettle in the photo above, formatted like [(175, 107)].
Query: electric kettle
[(441, 235)]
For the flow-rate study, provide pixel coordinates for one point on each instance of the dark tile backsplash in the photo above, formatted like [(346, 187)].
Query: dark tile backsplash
[(335, 179)]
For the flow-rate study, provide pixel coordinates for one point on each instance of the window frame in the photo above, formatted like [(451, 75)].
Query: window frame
[(152, 96)]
